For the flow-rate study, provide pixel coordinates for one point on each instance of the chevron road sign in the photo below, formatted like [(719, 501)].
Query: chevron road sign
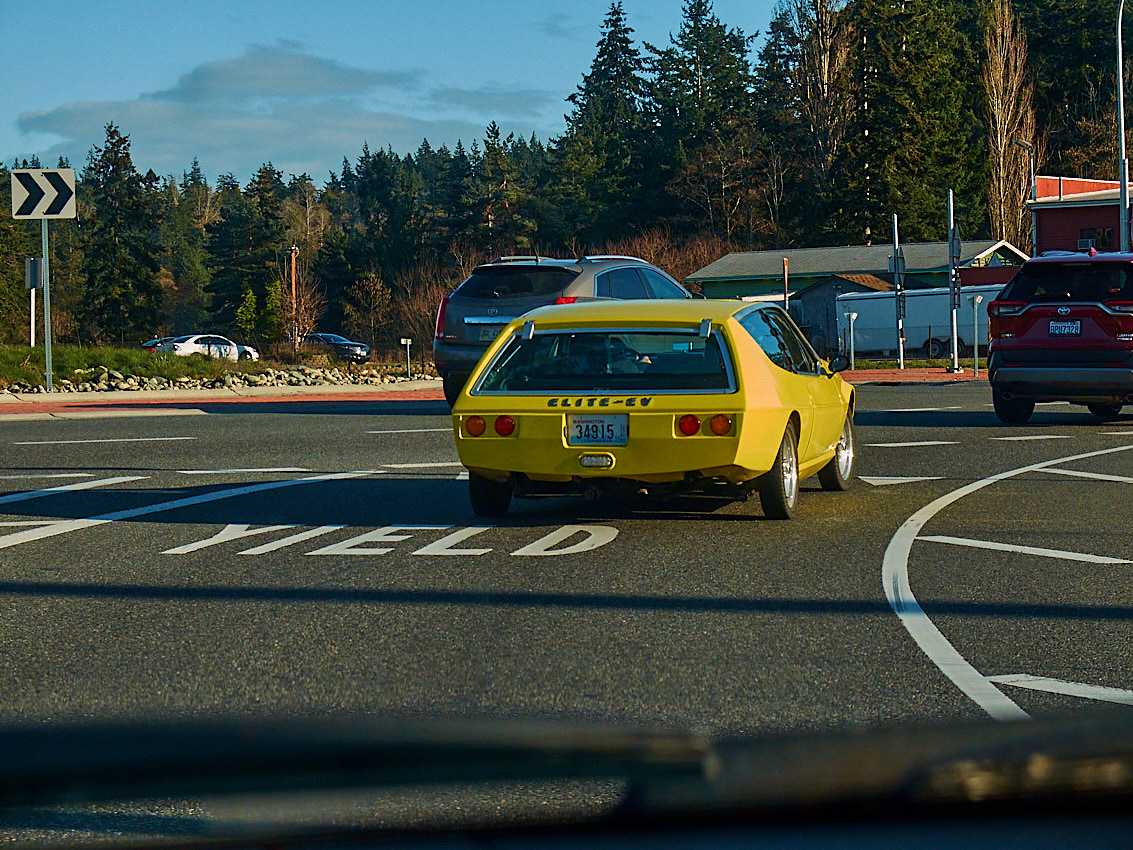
[(43, 193)]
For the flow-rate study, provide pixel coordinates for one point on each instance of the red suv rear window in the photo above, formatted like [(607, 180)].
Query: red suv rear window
[(1052, 283)]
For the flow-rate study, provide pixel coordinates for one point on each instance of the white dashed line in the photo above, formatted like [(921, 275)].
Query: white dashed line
[(1072, 689), (106, 440), (1024, 550), (1096, 476), (1032, 437), (916, 409), (46, 475), (414, 431), (68, 488), (886, 480), (912, 444), (422, 465), (249, 470)]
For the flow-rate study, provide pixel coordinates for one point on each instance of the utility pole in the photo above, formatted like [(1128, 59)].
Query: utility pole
[(294, 303), (1122, 162)]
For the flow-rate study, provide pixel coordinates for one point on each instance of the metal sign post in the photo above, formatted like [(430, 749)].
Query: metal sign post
[(975, 300), (44, 194), (954, 283), (407, 343), (897, 266)]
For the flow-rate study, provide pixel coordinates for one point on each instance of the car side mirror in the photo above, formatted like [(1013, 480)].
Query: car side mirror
[(839, 363)]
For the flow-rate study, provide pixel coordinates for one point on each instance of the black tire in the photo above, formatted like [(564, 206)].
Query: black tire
[(244, 355), (779, 487), (934, 349), (838, 474), (1105, 411), (488, 498), (453, 384), (1012, 411)]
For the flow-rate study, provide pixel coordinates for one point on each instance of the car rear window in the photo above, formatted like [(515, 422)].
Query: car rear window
[(1070, 282), (617, 361), (516, 282)]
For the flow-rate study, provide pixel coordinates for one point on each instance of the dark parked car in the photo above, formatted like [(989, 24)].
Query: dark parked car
[(471, 317), (1062, 330), (156, 343), (340, 347)]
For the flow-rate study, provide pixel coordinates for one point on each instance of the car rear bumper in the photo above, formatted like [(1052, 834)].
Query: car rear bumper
[(454, 359), (1083, 384)]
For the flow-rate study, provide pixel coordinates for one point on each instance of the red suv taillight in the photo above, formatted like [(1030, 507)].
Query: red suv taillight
[(566, 299), (439, 333), (1005, 308)]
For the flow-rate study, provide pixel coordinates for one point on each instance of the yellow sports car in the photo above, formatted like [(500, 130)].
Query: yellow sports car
[(654, 397)]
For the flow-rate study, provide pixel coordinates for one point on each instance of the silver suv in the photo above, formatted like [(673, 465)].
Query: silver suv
[(471, 317)]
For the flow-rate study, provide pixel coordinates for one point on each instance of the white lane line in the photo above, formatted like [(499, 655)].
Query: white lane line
[(1024, 550), (414, 431), (1032, 437), (66, 526), (916, 409), (1117, 433), (48, 475), (1072, 689), (912, 444), (69, 488), (1097, 476), (462, 476), (886, 480), (421, 465), (250, 469), (105, 440), (895, 579), (125, 414)]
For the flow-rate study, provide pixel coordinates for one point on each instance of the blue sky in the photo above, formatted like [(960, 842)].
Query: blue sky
[(300, 84)]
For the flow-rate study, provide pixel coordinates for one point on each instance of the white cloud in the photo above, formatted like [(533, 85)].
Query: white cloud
[(302, 113)]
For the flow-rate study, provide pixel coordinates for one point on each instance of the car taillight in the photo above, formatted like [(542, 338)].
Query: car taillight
[(1120, 306), (475, 426), (439, 333), (566, 299), (1006, 308), (505, 426), (688, 425), (720, 424)]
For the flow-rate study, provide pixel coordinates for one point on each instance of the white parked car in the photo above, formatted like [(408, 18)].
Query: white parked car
[(211, 345)]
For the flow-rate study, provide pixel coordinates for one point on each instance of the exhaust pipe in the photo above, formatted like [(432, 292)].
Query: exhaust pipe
[(1007, 395), (1129, 398)]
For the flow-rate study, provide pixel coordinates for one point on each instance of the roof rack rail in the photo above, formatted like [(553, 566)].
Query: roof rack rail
[(609, 257), (520, 259)]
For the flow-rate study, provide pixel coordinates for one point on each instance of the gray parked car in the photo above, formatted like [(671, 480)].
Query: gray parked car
[(471, 317)]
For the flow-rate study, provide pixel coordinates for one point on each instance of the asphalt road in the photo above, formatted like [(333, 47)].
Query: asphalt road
[(306, 560)]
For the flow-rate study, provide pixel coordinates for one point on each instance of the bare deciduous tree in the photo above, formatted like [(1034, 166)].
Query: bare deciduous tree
[(1010, 115), (825, 101), (367, 309), (303, 301)]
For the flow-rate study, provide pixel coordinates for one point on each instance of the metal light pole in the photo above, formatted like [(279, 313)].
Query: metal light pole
[(1030, 149), (1122, 162)]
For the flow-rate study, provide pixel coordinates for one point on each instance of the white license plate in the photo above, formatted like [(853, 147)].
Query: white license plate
[(489, 332), (611, 430), (1058, 328)]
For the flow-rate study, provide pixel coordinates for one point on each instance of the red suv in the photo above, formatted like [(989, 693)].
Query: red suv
[(1062, 330)]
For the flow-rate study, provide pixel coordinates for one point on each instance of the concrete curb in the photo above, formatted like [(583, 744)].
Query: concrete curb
[(79, 399)]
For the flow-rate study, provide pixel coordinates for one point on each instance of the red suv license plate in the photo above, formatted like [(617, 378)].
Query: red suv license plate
[(1060, 328)]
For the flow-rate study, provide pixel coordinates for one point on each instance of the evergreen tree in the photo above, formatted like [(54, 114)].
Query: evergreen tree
[(123, 295)]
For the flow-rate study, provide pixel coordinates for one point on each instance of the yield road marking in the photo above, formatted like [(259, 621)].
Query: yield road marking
[(1072, 689), (895, 580), (68, 488), (106, 440), (1097, 476), (1024, 550), (912, 444), (886, 480), (66, 526)]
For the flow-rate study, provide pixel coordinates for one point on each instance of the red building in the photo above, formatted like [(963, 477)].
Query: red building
[(1072, 214)]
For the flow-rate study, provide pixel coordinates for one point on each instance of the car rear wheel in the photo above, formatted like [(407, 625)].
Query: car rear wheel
[(1012, 411), (453, 384), (779, 487), (1105, 411), (838, 474), (935, 349), (489, 498)]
